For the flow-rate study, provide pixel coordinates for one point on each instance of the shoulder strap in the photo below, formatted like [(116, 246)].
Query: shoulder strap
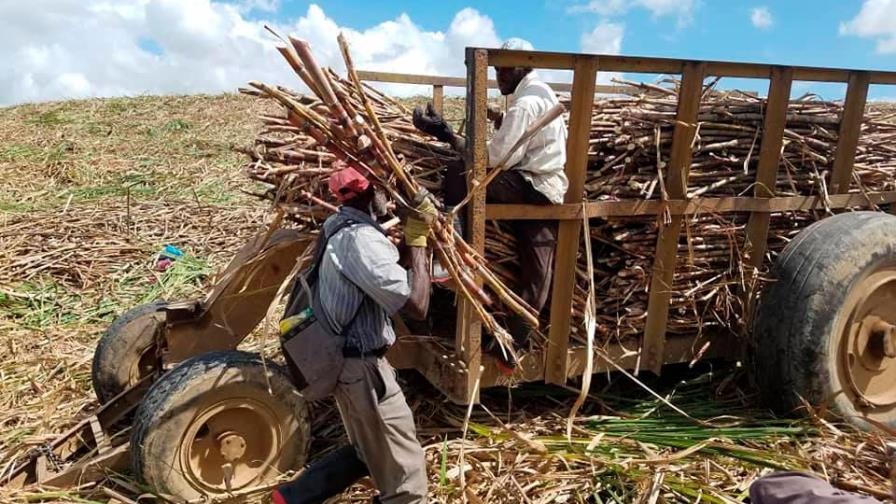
[(307, 280), (311, 275)]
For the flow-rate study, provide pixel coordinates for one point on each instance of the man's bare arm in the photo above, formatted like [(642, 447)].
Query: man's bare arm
[(417, 305)]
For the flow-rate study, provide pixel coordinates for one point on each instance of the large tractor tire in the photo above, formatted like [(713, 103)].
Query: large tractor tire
[(219, 422), (826, 325), (126, 353)]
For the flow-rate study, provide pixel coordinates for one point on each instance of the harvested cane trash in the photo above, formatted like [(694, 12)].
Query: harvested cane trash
[(630, 145)]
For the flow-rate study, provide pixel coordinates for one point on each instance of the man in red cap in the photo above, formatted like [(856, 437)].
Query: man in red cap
[(360, 285)]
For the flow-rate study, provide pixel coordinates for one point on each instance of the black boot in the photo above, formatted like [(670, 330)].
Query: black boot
[(325, 478), (520, 330)]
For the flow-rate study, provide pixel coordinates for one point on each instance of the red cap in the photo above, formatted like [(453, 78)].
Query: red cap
[(346, 182)]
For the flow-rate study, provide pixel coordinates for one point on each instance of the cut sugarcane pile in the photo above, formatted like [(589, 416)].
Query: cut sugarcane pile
[(629, 148), (630, 143), (628, 133)]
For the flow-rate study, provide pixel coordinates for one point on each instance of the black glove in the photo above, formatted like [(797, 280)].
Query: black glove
[(431, 123)]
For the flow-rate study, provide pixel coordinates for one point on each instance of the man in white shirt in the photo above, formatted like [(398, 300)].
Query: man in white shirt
[(536, 176)]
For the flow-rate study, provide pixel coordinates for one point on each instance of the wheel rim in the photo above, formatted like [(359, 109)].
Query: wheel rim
[(867, 352), (235, 439)]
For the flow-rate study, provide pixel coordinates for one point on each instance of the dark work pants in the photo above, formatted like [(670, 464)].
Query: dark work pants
[(536, 239)]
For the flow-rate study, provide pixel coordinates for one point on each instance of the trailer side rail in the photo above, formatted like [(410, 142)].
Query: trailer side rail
[(439, 83)]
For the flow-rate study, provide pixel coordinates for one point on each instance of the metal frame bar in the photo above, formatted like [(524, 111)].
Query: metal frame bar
[(468, 338)]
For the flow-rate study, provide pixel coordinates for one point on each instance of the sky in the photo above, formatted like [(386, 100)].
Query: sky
[(62, 49)]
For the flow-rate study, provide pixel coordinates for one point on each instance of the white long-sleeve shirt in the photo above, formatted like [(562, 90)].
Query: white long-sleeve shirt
[(541, 161)]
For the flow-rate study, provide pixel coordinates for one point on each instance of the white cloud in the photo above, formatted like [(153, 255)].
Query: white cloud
[(876, 20), (606, 38), (58, 49), (682, 9), (761, 18)]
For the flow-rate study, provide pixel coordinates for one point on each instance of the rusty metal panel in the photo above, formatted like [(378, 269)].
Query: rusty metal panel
[(667, 240), (468, 338), (239, 299), (582, 101)]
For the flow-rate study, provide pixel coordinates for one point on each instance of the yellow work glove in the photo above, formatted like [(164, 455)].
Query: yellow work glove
[(419, 222)]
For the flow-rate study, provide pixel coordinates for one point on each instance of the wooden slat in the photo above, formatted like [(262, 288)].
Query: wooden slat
[(637, 64), (440, 80), (667, 241), (582, 100), (468, 339), (438, 93), (401, 78), (769, 158), (850, 130), (629, 208), (446, 372)]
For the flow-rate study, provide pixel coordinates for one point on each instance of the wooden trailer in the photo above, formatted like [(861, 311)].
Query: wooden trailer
[(160, 343), (456, 373)]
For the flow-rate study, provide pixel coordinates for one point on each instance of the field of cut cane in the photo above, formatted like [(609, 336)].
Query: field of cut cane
[(91, 192)]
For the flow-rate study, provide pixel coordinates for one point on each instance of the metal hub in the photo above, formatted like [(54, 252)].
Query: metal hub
[(230, 444), (868, 348)]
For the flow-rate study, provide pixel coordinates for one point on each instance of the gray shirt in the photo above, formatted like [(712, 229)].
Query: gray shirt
[(360, 273)]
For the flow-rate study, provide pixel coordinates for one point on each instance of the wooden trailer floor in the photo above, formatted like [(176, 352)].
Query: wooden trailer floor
[(443, 367)]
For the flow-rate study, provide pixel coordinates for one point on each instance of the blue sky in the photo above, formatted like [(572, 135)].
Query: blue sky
[(58, 49), (801, 32)]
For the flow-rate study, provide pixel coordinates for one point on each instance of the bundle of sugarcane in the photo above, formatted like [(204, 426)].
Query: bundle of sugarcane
[(353, 124), (296, 166)]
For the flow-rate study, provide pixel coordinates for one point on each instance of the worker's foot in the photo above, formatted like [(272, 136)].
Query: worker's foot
[(505, 360)]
